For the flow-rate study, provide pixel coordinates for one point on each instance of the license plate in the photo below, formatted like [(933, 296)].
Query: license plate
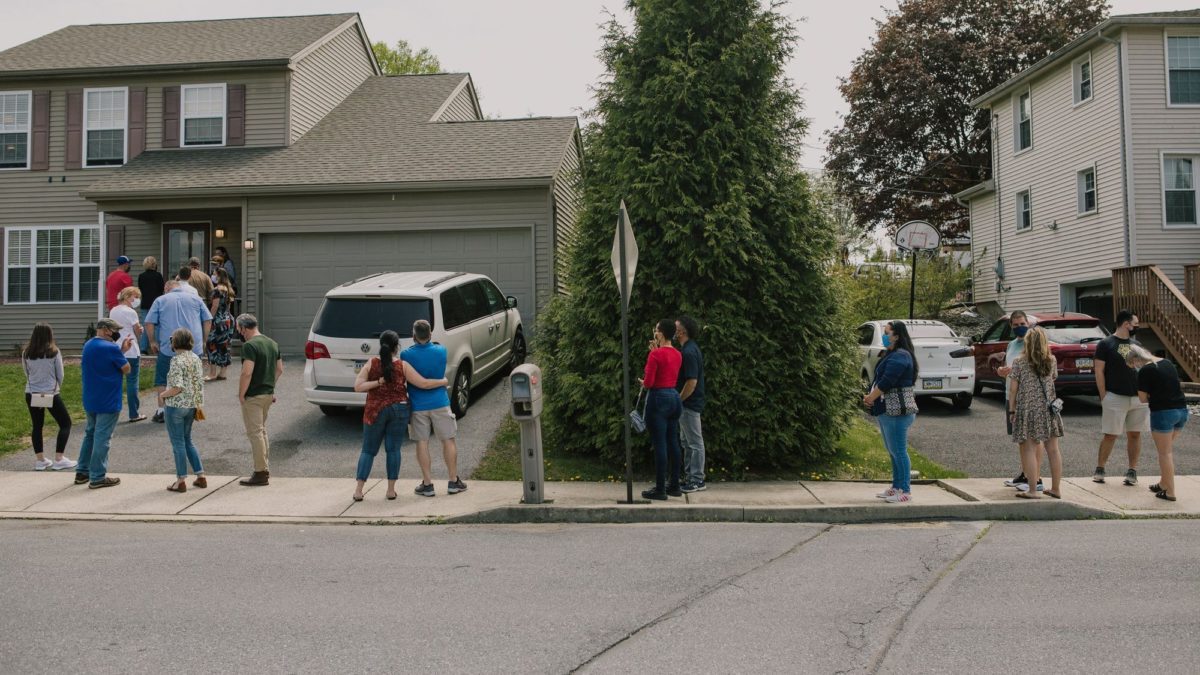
[(1084, 363), (358, 365), (928, 384)]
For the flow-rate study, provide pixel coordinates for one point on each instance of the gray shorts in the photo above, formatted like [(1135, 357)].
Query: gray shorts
[(425, 423)]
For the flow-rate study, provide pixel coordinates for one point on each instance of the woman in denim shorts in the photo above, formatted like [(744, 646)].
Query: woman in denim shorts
[(1158, 385)]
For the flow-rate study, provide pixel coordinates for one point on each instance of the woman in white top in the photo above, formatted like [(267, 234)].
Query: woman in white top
[(43, 367), (125, 314)]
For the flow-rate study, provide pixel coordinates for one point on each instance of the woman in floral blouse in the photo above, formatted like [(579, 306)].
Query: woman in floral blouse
[(179, 401)]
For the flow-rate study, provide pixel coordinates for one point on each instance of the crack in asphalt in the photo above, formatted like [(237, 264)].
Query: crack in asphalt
[(682, 608)]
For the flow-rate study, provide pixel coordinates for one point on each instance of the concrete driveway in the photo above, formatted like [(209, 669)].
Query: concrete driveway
[(304, 442), (974, 441)]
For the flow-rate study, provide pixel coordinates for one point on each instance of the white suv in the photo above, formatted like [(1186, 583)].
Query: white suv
[(479, 327)]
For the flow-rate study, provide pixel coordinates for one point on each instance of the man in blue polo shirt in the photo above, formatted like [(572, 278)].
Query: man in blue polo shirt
[(431, 413), (174, 309), (691, 391), (104, 368)]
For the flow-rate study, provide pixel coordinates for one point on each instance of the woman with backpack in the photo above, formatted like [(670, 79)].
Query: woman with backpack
[(893, 403)]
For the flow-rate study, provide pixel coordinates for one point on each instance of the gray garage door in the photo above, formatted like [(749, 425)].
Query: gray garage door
[(299, 268)]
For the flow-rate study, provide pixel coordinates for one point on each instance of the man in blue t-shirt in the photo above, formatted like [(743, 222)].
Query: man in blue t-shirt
[(691, 391), (174, 309), (431, 413), (104, 368)]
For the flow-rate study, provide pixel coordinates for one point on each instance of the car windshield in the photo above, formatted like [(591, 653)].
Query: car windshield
[(1073, 332), (929, 331), (361, 318)]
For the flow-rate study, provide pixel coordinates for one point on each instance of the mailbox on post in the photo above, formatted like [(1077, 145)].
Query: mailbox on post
[(526, 385)]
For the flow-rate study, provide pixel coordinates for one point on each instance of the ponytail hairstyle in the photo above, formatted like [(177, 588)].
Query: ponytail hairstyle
[(41, 343), (389, 344), (1037, 352), (904, 341)]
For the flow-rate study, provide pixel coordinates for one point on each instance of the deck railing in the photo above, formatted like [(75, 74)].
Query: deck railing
[(1191, 283), (1162, 308)]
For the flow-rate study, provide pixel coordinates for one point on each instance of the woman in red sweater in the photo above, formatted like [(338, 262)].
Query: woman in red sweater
[(663, 409)]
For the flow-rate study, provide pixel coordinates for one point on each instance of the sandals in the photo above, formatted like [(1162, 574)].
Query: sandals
[(200, 482), (1157, 487), (357, 498), (178, 486), (1051, 493), (391, 497), (1162, 494), (1026, 495)]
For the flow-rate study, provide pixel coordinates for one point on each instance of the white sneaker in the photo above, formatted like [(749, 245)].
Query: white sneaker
[(898, 498), (886, 493), (64, 464), (42, 465)]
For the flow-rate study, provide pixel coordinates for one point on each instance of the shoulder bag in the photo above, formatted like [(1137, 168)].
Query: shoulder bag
[(41, 400), (1053, 407), (637, 420), (900, 401)]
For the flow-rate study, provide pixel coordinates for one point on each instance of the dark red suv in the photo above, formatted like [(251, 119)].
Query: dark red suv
[(1073, 339)]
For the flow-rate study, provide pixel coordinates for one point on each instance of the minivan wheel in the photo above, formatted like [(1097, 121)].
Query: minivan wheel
[(460, 396), (519, 351), (333, 410)]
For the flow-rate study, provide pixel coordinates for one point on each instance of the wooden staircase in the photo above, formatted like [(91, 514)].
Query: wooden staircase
[(1162, 308)]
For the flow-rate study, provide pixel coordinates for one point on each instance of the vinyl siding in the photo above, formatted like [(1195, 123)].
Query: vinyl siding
[(324, 78), (984, 244), (566, 210), (461, 108), (382, 212), (1157, 128), (1066, 139)]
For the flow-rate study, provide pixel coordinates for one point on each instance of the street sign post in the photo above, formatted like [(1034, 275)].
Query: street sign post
[(916, 236), (624, 262)]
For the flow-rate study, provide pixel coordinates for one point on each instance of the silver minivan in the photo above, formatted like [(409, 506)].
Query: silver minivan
[(478, 325)]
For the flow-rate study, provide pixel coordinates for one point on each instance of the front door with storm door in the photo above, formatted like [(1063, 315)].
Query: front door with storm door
[(181, 242)]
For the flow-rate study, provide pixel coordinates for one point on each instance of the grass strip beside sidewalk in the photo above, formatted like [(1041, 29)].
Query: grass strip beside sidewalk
[(15, 425)]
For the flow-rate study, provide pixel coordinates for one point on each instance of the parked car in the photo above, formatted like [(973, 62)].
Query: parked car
[(479, 327), (940, 374), (1073, 339)]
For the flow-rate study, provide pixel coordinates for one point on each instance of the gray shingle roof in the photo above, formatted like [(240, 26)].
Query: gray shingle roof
[(1183, 13), (177, 43), (379, 134)]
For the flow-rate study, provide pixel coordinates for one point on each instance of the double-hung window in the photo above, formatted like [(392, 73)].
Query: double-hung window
[(1179, 190), (1183, 69), (1022, 122), (1024, 210), (105, 124), (203, 118), (1083, 79), (52, 264), (15, 114), (1086, 190)]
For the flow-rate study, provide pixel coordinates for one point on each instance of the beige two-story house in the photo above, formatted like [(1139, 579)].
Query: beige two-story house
[(1095, 156), (276, 138)]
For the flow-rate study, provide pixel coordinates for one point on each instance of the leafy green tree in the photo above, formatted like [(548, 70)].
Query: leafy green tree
[(850, 237), (698, 130), (911, 138), (403, 60)]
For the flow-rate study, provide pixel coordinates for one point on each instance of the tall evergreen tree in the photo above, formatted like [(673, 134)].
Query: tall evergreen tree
[(698, 130)]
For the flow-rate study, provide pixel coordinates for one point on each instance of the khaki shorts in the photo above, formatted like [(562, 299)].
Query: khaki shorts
[(439, 422), (1124, 414)]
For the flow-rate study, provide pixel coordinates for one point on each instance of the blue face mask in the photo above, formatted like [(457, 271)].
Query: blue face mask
[(1020, 331), (887, 340)]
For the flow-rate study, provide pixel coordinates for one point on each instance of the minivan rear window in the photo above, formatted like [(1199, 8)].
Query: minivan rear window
[(369, 317)]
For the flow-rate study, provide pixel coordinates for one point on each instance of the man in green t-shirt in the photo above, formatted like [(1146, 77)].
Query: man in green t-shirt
[(261, 368)]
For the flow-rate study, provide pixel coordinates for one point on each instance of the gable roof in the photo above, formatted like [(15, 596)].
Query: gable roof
[(380, 137), (1085, 39), (176, 44)]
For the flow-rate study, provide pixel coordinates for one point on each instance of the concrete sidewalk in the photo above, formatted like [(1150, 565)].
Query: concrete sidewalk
[(33, 495)]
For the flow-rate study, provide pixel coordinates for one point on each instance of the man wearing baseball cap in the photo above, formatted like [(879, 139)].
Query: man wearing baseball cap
[(117, 281), (104, 367)]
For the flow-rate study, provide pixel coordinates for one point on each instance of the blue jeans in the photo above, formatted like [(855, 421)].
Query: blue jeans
[(162, 366), (1168, 421), (131, 387), (179, 430), (895, 439), (390, 429), (662, 421), (693, 446), (93, 454)]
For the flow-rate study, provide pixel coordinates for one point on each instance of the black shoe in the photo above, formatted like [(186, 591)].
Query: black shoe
[(256, 479), (455, 486), (107, 481), (654, 494), (425, 489), (674, 491), (1016, 481), (159, 417), (81, 478)]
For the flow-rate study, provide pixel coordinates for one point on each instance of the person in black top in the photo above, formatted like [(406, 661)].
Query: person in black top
[(1122, 412), (150, 283), (1158, 386), (691, 390)]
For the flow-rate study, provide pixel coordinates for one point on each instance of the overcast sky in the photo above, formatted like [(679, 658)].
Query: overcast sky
[(526, 56)]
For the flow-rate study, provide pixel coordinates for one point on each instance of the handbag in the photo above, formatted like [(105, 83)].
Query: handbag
[(1054, 407), (199, 416), (41, 400), (900, 401), (637, 420)]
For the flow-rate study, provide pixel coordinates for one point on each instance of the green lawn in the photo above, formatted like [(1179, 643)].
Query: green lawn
[(861, 456), (14, 416)]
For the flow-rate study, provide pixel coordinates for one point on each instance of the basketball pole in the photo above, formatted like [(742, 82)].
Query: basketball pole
[(912, 287)]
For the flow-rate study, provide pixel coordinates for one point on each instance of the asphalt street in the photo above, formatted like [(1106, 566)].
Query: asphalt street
[(1098, 596), (974, 441), (304, 442)]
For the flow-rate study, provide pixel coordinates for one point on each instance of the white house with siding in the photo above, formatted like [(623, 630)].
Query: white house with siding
[(1093, 197)]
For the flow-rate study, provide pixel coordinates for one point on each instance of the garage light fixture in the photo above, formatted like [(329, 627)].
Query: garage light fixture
[(248, 244)]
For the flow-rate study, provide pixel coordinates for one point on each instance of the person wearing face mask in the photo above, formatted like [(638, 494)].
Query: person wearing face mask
[(1122, 411), (103, 366), (1159, 387), (892, 402), (125, 314)]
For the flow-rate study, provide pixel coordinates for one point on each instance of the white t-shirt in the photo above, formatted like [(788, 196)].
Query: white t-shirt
[(128, 318)]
